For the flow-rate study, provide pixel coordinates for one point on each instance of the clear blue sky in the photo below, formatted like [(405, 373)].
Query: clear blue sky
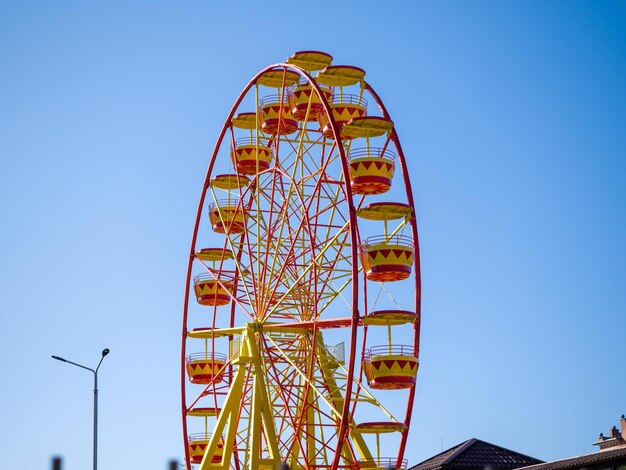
[(513, 118)]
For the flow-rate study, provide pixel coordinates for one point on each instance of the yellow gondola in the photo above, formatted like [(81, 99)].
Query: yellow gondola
[(345, 107), (371, 170), (198, 444), (387, 257), (276, 116), (251, 156), (306, 103), (212, 292), (205, 367), (227, 216), (378, 428), (390, 367)]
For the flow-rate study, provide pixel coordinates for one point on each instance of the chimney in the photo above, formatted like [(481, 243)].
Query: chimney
[(615, 438)]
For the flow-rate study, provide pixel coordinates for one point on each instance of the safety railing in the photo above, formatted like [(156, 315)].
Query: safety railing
[(396, 240), (249, 141), (372, 152), (347, 98), (382, 462), (223, 277), (390, 350), (222, 203), (271, 99), (206, 356)]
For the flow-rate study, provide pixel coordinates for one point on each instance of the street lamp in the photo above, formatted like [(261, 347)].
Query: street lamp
[(95, 401)]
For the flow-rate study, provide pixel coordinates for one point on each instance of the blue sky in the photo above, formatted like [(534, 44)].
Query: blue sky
[(513, 119)]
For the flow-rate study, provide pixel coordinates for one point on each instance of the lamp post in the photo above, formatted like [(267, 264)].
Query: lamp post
[(95, 401)]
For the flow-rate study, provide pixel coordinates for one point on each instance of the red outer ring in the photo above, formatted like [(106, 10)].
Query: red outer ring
[(416, 265), (344, 427), (353, 223)]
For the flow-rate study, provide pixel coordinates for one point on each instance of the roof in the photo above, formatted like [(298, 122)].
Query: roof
[(476, 454), (582, 460)]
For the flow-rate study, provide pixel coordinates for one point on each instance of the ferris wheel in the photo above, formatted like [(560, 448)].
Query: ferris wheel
[(301, 319)]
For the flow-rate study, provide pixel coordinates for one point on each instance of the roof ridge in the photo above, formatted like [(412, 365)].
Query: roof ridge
[(511, 451), (473, 454), (440, 454), (592, 457), (461, 448)]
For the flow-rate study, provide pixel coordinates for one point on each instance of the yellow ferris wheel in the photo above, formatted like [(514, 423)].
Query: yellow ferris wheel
[(301, 319)]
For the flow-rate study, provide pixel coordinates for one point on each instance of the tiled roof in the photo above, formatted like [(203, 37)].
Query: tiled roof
[(582, 460), (475, 454), (437, 460)]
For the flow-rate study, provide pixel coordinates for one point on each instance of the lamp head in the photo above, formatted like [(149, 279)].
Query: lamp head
[(105, 352), (59, 358)]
